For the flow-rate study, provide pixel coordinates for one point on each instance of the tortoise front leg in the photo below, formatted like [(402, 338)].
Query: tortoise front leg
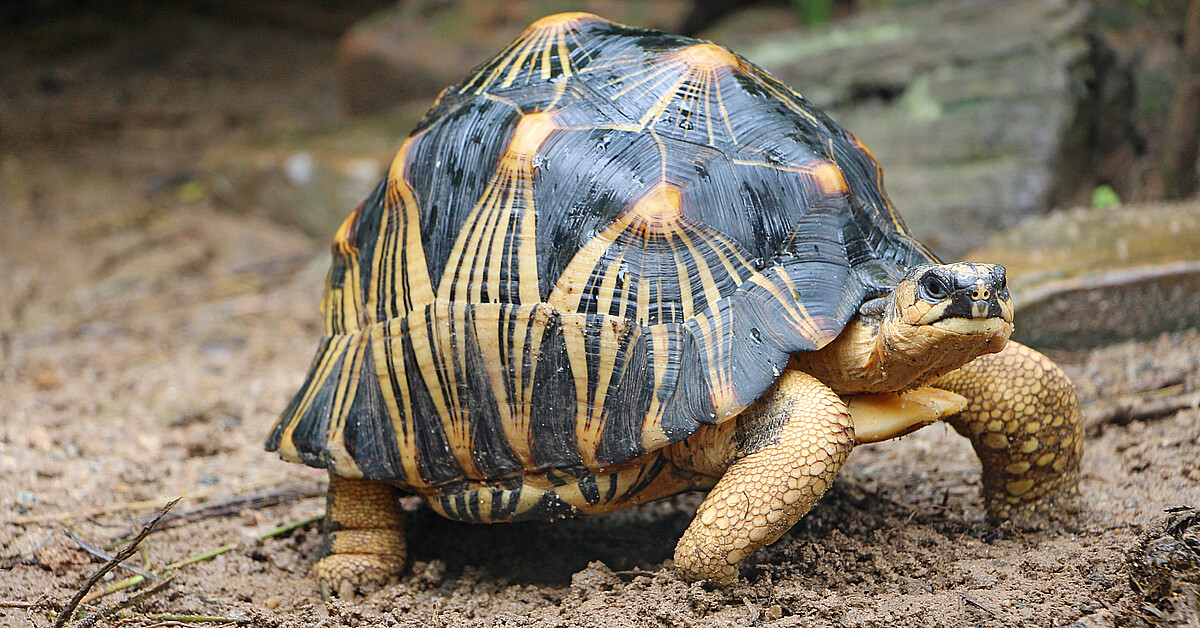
[(364, 537), (784, 450), (1022, 418)]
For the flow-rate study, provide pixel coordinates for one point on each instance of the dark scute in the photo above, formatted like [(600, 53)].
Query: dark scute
[(489, 447), (655, 41), (530, 97), (289, 413), (879, 263), (690, 405), (435, 461), (822, 258), (450, 100), (366, 233), (649, 474), (583, 104), (504, 501), (472, 500), (595, 40), (754, 207), (553, 414), (581, 188), (312, 430), (460, 504), (557, 477), (630, 392), (612, 488), (589, 489), (758, 341), (276, 435), (548, 508), (829, 291), (450, 167), (369, 436), (335, 286)]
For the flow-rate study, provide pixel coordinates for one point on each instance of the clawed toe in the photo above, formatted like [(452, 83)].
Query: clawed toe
[(349, 575)]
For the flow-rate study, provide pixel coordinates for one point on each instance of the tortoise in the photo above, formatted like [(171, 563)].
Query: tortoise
[(614, 264)]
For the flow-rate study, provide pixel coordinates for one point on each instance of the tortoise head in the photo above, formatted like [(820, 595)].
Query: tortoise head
[(938, 318), (962, 298)]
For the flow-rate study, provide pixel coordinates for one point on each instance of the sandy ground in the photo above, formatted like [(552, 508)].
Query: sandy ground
[(148, 341)]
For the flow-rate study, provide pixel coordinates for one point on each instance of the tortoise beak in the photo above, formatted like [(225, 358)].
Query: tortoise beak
[(985, 294)]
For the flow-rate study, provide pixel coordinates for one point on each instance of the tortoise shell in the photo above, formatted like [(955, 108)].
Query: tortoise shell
[(600, 240)]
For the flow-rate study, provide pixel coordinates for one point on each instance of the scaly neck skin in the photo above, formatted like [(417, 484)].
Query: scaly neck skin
[(884, 354)]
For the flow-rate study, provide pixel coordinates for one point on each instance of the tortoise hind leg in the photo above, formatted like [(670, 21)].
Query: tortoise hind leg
[(784, 450), (364, 538), (1022, 418)]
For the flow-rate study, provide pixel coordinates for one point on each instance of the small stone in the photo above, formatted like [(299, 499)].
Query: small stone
[(46, 380)]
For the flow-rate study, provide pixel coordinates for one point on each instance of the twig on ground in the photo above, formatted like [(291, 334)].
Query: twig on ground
[(139, 597), (136, 580), (103, 555), (148, 504), (973, 602), (233, 505), (69, 611), (124, 604), (15, 604), (1126, 411)]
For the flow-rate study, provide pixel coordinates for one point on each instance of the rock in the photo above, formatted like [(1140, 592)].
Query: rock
[(978, 111), (1086, 278), (311, 180), (1164, 569), (418, 47)]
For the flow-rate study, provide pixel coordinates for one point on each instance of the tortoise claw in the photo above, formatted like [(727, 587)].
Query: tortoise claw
[(349, 575)]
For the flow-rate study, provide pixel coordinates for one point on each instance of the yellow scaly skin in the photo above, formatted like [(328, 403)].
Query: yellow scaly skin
[(1022, 418), (364, 537), (785, 451)]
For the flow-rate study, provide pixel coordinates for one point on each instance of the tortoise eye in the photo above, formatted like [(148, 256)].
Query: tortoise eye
[(934, 287)]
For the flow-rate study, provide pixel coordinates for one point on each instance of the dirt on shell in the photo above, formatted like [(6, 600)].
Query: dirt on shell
[(148, 340)]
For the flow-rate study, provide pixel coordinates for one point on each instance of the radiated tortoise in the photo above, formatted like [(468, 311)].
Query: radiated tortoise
[(614, 264)]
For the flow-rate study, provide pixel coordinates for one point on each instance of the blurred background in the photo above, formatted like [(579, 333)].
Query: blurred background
[(171, 174), (983, 114)]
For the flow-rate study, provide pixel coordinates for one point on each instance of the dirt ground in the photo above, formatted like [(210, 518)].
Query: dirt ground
[(148, 340)]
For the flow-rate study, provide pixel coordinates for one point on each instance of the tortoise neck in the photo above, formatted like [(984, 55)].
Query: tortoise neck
[(853, 362), (885, 354)]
